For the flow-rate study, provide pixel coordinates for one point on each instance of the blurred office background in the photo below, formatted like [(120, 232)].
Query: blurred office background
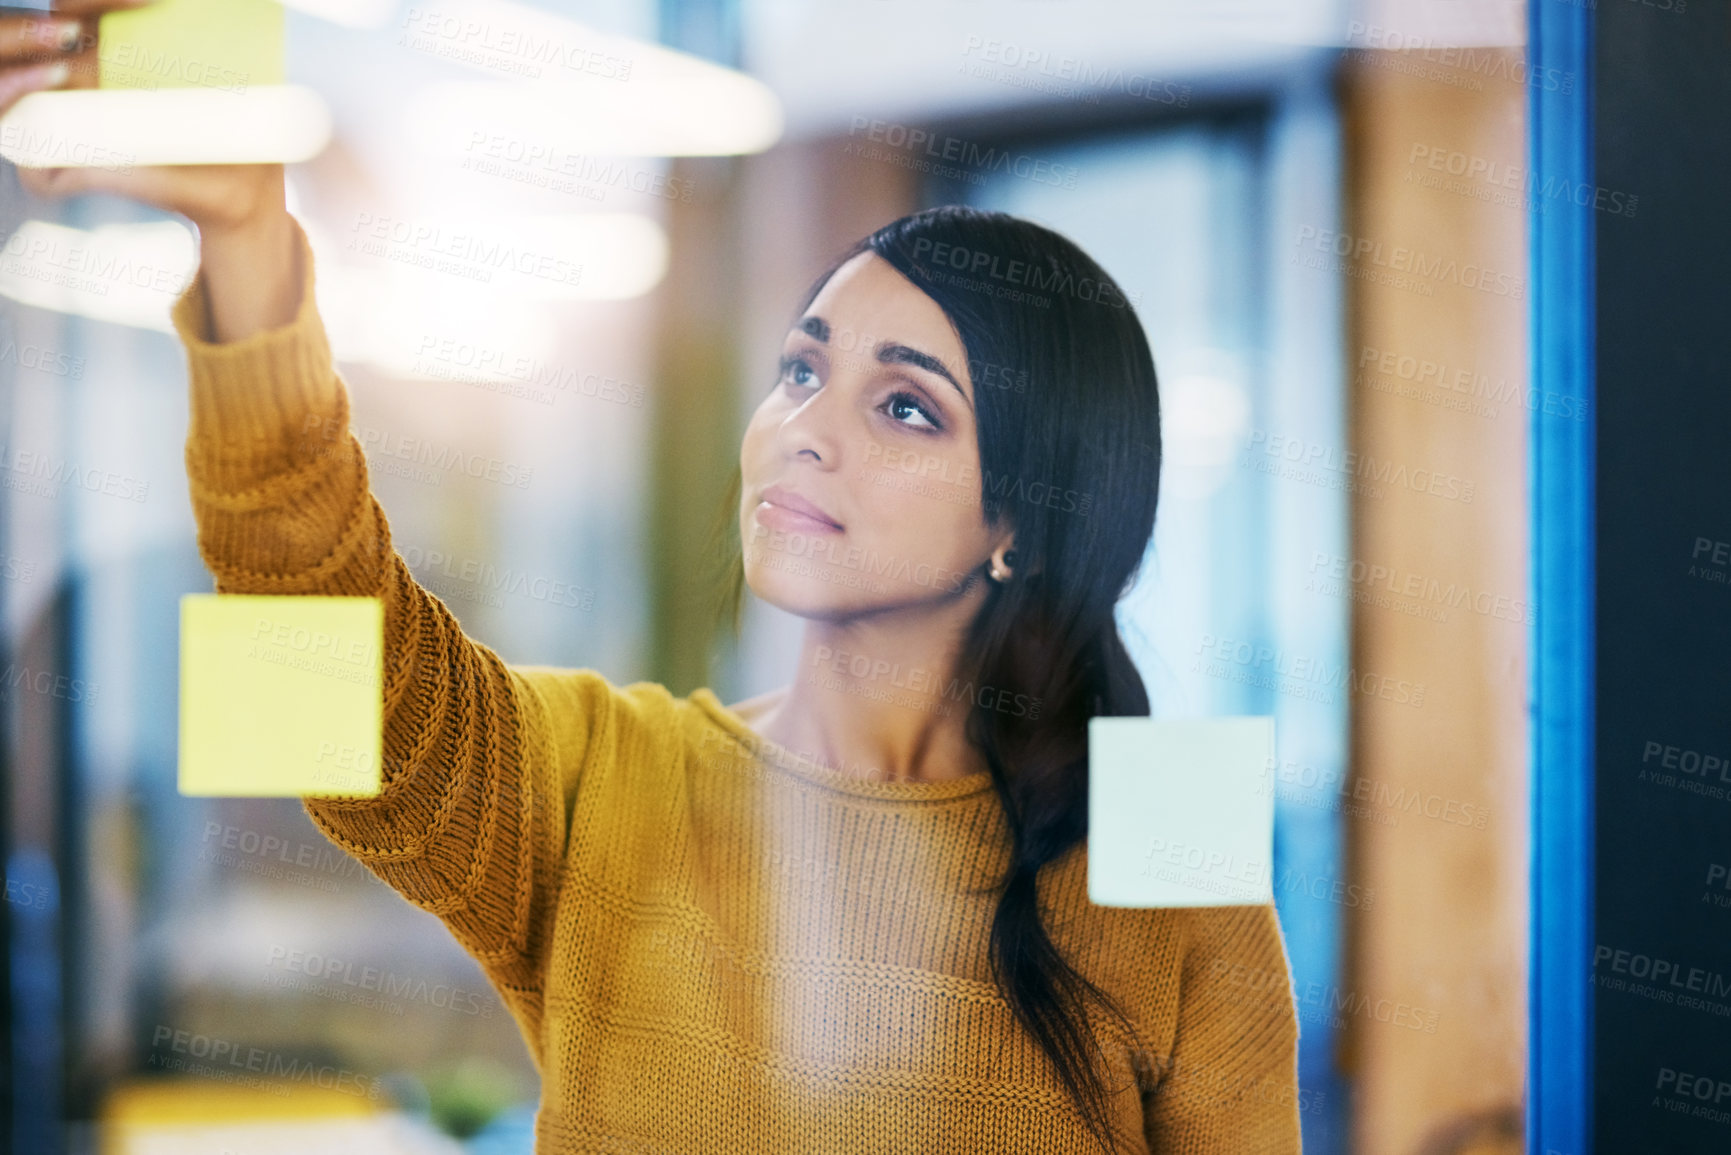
[(1308, 203)]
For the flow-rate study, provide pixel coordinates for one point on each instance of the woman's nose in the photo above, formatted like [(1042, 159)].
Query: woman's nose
[(814, 428)]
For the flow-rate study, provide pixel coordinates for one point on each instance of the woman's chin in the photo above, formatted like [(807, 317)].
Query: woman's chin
[(807, 597), (830, 596)]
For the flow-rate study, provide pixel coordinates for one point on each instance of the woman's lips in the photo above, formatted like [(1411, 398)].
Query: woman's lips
[(782, 508), (792, 520)]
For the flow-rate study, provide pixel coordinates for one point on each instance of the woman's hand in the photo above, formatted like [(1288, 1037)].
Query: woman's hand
[(249, 257)]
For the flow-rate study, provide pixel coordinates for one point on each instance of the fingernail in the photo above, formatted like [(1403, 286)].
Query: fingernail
[(55, 33)]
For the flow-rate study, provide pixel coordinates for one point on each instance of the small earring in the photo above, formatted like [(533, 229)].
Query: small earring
[(999, 573)]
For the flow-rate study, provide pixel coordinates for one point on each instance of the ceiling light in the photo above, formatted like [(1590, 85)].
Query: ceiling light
[(108, 128), (583, 91), (130, 274)]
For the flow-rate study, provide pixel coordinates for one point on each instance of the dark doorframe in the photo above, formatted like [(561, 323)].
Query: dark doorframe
[(1561, 651)]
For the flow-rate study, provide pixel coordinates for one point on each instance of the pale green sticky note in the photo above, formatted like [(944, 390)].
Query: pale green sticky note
[(280, 696), (1180, 813), (223, 45)]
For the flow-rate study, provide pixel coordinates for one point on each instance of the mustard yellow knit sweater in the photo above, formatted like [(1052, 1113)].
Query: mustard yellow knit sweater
[(710, 944)]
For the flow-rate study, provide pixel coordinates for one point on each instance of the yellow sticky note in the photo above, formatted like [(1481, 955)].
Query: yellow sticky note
[(223, 45), (280, 696)]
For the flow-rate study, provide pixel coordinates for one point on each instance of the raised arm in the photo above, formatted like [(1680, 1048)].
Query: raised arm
[(471, 821), (1230, 1085)]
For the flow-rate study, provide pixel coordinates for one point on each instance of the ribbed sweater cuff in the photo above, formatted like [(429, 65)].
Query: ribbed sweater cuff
[(254, 401)]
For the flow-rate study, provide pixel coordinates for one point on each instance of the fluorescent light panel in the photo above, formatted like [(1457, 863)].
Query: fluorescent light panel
[(129, 274), (108, 128), (395, 315), (581, 90)]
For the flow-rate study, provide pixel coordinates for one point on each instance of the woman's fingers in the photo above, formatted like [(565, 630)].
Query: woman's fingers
[(19, 81), (47, 182), (217, 197), (54, 50), (32, 37), (64, 182), (148, 184), (96, 7), (71, 25), (57, 51)]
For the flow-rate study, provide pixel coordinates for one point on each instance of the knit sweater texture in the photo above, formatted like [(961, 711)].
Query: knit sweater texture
[(711, 944)]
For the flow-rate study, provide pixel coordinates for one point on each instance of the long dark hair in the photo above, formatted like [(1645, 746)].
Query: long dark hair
[(1069, 438)]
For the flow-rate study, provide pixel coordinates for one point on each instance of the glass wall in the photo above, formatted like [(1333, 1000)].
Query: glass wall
[(1233, 612)]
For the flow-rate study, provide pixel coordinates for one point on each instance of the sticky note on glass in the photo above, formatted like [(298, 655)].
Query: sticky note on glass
[(280, 696), (1180, 813), (179, 82), (221, 45)]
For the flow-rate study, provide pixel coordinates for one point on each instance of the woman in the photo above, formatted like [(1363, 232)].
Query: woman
[(850, 915)]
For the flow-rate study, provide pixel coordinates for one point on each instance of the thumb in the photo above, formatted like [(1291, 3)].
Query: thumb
[(53, 183), (151, 184)]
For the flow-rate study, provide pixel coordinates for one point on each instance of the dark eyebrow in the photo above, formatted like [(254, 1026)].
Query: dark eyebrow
[(890, 353), (887, 353)]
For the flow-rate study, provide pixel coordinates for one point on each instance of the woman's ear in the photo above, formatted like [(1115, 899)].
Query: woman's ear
[(1007, 562)]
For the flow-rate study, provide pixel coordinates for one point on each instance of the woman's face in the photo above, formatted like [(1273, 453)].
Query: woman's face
[(861, 468)]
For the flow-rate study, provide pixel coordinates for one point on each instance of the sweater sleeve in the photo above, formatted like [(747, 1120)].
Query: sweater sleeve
[(479, 760), (1230, 1083)]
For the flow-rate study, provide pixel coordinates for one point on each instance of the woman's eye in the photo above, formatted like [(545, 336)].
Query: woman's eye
[(797, 371), (903, 406)]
